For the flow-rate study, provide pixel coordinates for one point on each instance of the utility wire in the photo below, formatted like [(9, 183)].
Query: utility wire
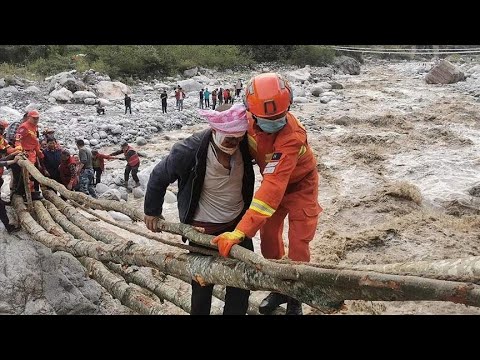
[(411, 53), (405, 49)]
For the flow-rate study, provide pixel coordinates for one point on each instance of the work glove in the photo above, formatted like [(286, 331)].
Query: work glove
[(226, 240)]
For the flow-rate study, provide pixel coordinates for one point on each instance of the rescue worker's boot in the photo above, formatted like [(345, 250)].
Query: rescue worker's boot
[(271, 302), (294, 307)]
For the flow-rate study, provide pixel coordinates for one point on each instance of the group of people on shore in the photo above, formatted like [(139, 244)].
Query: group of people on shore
[(77, 172)]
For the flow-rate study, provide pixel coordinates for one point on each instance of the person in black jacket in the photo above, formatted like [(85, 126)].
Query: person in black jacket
[(163, 96), (128, 103), (215, 187)]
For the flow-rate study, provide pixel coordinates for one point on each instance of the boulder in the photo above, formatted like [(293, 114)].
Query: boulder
[(32, 89), (347, 65), (112, 90), (90, 101), (300, 75), (111, 194), (62, 95), (190, 72), (10, 114), (141, 141), (190, 85), (444, 73), (80, 96)]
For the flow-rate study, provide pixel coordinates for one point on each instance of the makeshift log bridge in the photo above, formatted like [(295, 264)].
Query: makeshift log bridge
[(142, 276)]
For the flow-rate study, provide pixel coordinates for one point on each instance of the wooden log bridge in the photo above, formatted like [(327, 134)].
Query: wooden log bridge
[(143, 276)]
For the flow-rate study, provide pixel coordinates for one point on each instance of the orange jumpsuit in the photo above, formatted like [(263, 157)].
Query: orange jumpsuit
[(26, 140), (289, 186)]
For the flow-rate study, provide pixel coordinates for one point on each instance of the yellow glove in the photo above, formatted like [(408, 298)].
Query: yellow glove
[(226, 240)]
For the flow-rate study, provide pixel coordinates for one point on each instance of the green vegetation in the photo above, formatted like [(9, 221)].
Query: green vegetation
[(314, 55), (128, 62)]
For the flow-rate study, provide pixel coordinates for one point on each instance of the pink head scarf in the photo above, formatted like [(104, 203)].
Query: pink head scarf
[(231, 121)]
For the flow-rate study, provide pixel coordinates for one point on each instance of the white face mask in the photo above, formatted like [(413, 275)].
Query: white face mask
[(218, 138)]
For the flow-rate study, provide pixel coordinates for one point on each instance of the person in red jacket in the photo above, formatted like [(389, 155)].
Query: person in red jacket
[(133, 162), (278, 143), (26, 140), (98, 161), (68, 170)]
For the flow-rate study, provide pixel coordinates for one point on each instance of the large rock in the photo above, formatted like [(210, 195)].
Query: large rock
[(9, 89), (190, 85), (161, 86), (190, 72), (317, 90), (300, 99), (62, 95), (2, 83), (80, 96), (298, 91), (91, 77), (444, 73), (325, 72), (90, 101), (138, 193), (111, 194), (335, 85), (10, 114), (61, 75), (141, 141), (32, 106), (36, 281), (72, 84), (300, 75), (55, 109), (347, 65), (112, 90), (101, 188), (104, 102), (32, 89), (65, 80)]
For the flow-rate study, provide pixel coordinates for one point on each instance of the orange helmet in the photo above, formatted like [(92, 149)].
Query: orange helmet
[(268, 95), (3, 124), (33, 113)]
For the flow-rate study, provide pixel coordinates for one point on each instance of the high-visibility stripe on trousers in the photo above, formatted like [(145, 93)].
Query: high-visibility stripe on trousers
[(301, 205)]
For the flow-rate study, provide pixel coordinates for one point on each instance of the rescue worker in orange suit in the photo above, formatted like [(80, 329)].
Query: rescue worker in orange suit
[(5, 148), (26, 140), (278, 143), (133, 163)]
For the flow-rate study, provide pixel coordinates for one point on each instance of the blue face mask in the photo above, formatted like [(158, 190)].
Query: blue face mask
[(271, 126)]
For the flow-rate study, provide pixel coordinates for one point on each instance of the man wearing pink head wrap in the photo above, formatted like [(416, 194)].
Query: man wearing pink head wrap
[(215, 177)]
